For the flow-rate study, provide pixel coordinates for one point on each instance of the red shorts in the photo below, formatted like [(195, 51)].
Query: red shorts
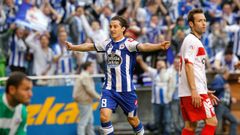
[(190, 113)]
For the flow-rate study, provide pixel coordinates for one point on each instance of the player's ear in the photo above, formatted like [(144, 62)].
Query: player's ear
[(12, 90), (123, 29), (190, 24)]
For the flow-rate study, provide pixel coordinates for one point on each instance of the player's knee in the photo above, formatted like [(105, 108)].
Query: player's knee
[(104, 117), (191, 126), (134, 121), (212, 121)]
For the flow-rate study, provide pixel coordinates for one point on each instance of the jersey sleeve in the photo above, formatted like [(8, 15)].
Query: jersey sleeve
[(190, 52), (131, 45), (101, 46)]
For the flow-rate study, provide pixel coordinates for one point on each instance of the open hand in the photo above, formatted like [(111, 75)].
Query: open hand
[(196, 99), (213, 98)]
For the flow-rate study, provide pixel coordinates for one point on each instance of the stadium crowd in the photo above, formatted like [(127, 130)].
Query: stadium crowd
[(43, 53)]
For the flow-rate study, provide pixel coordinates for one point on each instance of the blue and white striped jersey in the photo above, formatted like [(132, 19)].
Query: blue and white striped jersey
[(18, 50), (65, 63), (120, 63)]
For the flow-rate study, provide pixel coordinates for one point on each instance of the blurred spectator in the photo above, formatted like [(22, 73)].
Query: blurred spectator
[(227, 14), (226, 59), (10, 10), (213, 9), (76, 30), (94, 31), (18, 50), (83, 93), (161, 94), (180, 25), (222, 90), (235, 29), (43, 55), (177, 40), (217, 38), (63, 58), (4, 41), (177, 120)]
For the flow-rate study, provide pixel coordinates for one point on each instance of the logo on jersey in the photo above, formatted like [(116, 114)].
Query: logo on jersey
[(113, 60), (121, 46)]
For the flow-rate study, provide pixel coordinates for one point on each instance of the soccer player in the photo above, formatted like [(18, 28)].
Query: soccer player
[(118, 88), (196, 101), (13, 113)]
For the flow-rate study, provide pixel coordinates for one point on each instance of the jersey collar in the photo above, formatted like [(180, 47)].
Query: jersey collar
[(118, 40), (4, 97), (195, 36)]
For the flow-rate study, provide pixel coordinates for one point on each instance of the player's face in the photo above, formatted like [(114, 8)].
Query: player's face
[(116, 30), (199, 24), (23, 93)]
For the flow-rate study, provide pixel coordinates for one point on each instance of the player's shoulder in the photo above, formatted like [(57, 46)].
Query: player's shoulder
[(190, 39), (130, 41), (107, 41)]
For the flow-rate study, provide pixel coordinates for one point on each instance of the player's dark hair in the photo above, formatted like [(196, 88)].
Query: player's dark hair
[(86, 65), (15, 79), (192, 13), (122, 20)]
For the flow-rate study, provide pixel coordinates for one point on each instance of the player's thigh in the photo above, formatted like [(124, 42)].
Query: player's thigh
[(107, 100), (128, 102), (190, 125), (211, 121), (107, 105)]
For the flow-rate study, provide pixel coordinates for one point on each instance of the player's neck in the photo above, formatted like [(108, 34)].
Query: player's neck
[(10, 101), (199, 36), (117, 39)]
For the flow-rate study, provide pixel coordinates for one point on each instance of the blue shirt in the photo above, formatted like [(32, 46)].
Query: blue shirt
[(120, 63), (218, 85)]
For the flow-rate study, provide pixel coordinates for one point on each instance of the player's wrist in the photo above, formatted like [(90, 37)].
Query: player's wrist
[(194, 91)]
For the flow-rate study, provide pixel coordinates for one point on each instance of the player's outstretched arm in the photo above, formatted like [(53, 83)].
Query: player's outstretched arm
[(82, 47), (148, 47)]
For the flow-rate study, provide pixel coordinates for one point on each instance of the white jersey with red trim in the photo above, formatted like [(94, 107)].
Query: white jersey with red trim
[(192, 51)]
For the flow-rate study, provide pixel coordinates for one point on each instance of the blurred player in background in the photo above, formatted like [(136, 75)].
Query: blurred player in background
[(84, 93), (196, 101), (118, 88), (13, 113)]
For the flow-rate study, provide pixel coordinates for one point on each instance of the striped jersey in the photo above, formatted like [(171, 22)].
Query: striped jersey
[(12, 120), (160, 89), (65, 63), (18, 50), (120, 63)]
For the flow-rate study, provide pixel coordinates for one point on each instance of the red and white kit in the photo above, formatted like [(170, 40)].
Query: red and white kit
[(192, 51)]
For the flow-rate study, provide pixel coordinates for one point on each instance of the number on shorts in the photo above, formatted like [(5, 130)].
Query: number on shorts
[(104, 102)]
